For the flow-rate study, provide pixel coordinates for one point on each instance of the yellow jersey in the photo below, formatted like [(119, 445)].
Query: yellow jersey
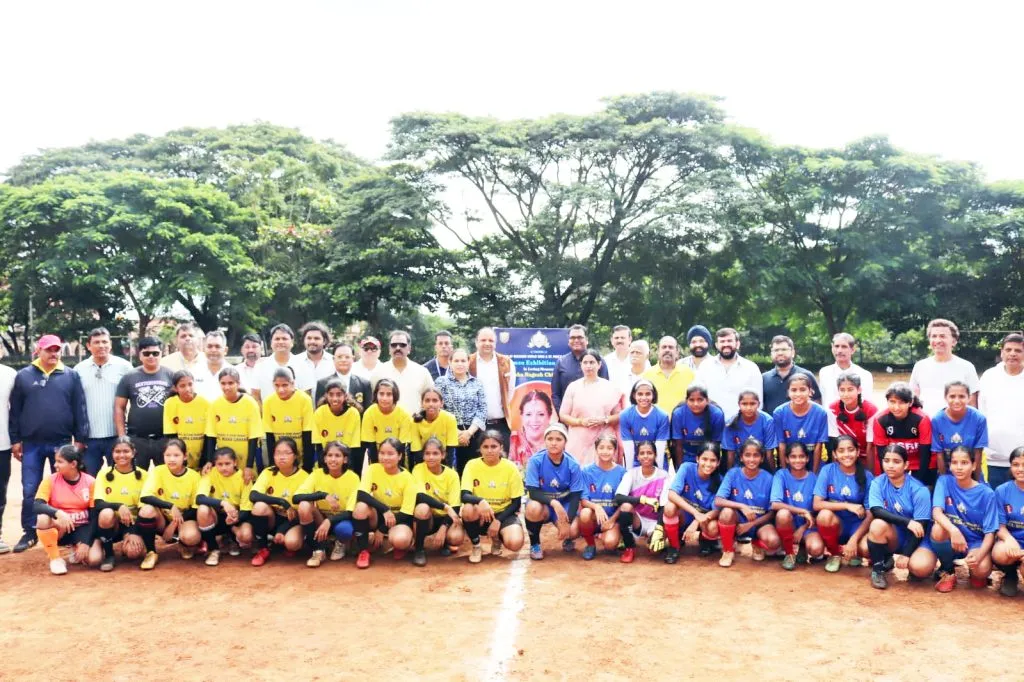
[(377, 426), (276, 484), (344, 428), (671, 389), (398, 491), (498, 484), (443, 486), (233, 424), (124, 489), (289, 417), (231, 488), (188, 422), (343, 487), (444, 428), (180, 490)]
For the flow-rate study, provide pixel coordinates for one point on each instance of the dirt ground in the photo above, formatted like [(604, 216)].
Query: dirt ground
[(503, 619)]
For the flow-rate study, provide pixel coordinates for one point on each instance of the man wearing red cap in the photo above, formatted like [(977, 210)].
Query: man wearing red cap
[(47, 411)]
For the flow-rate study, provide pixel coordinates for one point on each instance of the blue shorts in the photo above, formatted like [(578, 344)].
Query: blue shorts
[(848, 525), (799, 522), (971, 544)]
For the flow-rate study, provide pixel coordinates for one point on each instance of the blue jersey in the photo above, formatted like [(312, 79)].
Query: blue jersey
[(1010, 499), (693, 430), (762, 429), (599, 485), (691, 487), (559, 480), (974, 510), (835, 486), (756, 493), (971, 432), (911, 500), (635, 427), (810, 429), (797, 492)]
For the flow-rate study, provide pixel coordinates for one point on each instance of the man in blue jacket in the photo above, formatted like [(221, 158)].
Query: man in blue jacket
[(47, 411)]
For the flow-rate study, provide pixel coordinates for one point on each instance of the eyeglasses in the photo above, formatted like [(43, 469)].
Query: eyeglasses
[(150, 353), (399, 345), (370, 346)]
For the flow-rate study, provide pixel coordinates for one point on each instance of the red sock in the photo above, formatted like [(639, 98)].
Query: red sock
[(830, 536), (588, 535), (672, 532), (786, 535), (728, 532)]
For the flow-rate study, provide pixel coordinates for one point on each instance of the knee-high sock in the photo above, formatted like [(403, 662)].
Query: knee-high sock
[(588, 534), (422, 531), (625, 522), (879, 552), (362, 533), (147, 530), (944, 551), (533, 530), (106, 538), (728, 531), (830, 536), (49, 538), (1009, 572), (786, 535), (473, 531), (672, 530), (209, 535), (260, 528), (308, 533)]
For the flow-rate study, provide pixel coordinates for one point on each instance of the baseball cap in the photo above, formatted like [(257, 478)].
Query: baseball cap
[(557, 426), (49, 341), (369, 340)]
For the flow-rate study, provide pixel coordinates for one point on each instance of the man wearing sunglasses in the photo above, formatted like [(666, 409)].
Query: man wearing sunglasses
[(411, 377), (47, 411), (139, 405), (369, 358), (100, 373)]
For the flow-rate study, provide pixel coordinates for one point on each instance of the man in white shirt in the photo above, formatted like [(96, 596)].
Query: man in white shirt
[(100, 373), (186, 354), (618, 360), (497, 373), (698, 339), (315, 339), (204, 377), (639, 363), (727, 374), (930, 375), (252, 354), (7, 375), (369, 357), (411, 377), (1001, 400), (843, 347), (282, 338)]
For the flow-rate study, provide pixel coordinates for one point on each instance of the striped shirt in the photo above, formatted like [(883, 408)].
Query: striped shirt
[(465, 400), (100, 385)]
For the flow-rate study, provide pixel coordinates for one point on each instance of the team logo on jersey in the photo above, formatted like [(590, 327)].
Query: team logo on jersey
[(159, 491), (554, 483), (593, 488), (607, 488), (913, 430), (124, 491), (388, 429), (845, 492), (540, 481), (109, 490), (216, 417), (287, 419), (957, 438), (189, 420), (85, 494), (232, 420), (388, 492), (224, 495), (962, 508), (270, 490), (786, 432), (426, 486), (175, 495), (698, 494), (798, 497), (735, 492), (538, 340), (749, 495), (490, 484), (686, 488), (175, 420), (373, 487), (698, 431), (1008, 507), (801, 433), (735, 440), (213, 490), (897, 506), (643, 431)]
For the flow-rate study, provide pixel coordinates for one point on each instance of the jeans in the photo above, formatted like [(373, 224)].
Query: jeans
[(5, 476), (34, 456), (95, 450), (997, 475)]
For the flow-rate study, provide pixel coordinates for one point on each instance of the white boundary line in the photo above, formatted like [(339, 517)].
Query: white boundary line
[(503, 641)]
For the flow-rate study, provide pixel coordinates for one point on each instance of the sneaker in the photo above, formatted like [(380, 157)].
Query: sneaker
[(568, 545), (758, 553), (149, 561), (878, 580), (671, 555), (316, 559), (536, 553), (801, 554), (363, 560), (855, 562), (338, 551), (419, 558), (707, 547), (234, 549), (476, 554), (1008, 588), (833, 564), (445, 551), (27, 541), (399, 554), (58, 567), (260, 557), (496, 546), (4, 548), (73, 559), (187, 552), (946, 583), (589, 552), (213, 558), (789, 562), (726, 560), (627, 555), (107, 565), (979, 583)]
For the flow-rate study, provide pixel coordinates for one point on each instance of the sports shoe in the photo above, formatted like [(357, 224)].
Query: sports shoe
[(789, 562), (878, 580), (73, 559), (338, 551), (568, 545), (671, 555), (496, 546), (149, 561), (4, 547), (833, 564), (398, 554), (445, 551), (801, 554), (757, 552), (589, 552), (234, 549), (855, 562), (107, 565), (363, 560), (419, 558), (212, 558), (536, 553), (979, 583), (476, 554), (260, 557), (187, 552), (58, 567), (707, 547), (27, 541), (316, 559), (726, 560), (946, 583), (1008, 588), (627, 555)]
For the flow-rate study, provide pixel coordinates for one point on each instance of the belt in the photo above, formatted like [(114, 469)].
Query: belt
[(495, 421)]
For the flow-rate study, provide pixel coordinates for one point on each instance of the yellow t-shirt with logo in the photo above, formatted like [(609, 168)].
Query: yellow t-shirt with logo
[(344, 428), (231, 488), (289, 417), (233, 424), (124, 489), (443, 486), (277, 484), (343, 487), (498, 484), (378, 426), (188, 422), (444, 428), (179, 490), (398, 491)]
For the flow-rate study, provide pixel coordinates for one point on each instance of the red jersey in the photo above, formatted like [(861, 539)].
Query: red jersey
[(851, 426), (913, 432)]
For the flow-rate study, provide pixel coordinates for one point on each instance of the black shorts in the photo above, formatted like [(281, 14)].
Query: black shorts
[(440, 522), (405, 519), (509, 522), (82, 534), (186, 514), (282, 525)]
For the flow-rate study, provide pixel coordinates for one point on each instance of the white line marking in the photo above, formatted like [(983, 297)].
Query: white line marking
[(503, 642)]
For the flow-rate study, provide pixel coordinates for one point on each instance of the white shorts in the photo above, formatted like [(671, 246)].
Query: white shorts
[(646, 527)]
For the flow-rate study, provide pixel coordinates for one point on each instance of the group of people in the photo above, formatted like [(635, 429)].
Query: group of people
[(367, 454)]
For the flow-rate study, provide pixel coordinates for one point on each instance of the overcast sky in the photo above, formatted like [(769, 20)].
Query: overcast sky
[(943, 81)]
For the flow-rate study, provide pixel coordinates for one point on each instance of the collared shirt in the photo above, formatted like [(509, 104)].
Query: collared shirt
[(321, 370), (7, 375), (487, 374), (177, 362), (361, 370), (465, 400), (248, 375), (266, 367), (726, 382), (672, 388), (829, 375), (568, 370), (618, 371), (691, 362), (775, 387), (411, 381), (206, 383), (100, 385)]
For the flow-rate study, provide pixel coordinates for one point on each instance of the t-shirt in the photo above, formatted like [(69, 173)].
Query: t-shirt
[(911, 432), (444, 428), (929, 379), (756, 493), (833, 485), (849, 425), (911, 500), (599, 485), (265, 368), (560, 479), (636, 427), (344, 428), (188, 422), (691, 487), (1010, 499), (973, 510), (234, 424), (378, 426), (124, 489), (279, 484), (498, 484), (343, 487), (398, 491), (796, 492), (230, 488), (829, 375), (671, 389), (180, 490), (443, 486), (635, 484), (971, 432), (810, 429), (146, 395), (763, 429), (74, 499), (412, 381), (291, 417), (1001, 400), (696, 429)]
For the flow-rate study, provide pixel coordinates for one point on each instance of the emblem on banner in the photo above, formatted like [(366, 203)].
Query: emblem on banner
[(504, 337), (539, 340)]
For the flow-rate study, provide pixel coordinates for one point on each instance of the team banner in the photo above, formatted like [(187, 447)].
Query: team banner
[(534, 352)]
